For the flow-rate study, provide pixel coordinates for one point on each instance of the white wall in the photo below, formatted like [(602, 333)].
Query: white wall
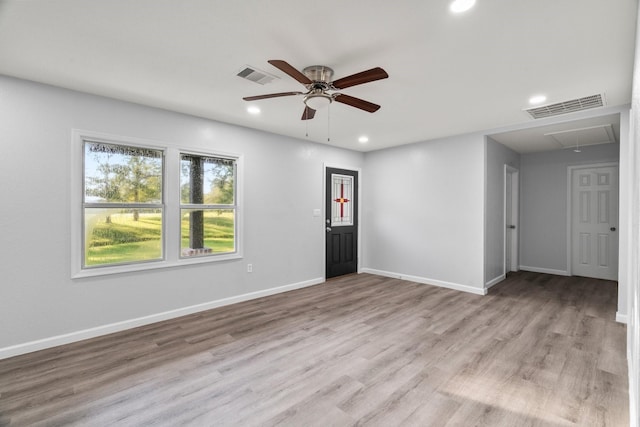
[(497, 157), (424, 212), (543, 204), (630, 262), (283, 183)]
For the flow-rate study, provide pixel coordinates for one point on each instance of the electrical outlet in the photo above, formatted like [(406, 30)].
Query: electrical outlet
[(249, 268)]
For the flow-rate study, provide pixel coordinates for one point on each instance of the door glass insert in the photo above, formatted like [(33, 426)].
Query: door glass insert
[(341, 200)]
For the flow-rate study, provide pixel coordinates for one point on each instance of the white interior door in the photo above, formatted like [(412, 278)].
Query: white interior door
[(594, 219)]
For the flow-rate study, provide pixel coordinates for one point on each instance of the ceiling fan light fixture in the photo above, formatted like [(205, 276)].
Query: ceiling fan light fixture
[(317, 101)]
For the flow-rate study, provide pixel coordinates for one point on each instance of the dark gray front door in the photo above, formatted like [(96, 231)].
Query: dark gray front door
[(341, 222)]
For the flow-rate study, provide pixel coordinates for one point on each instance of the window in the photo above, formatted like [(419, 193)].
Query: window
[(122, 209), (341, 196), (207, 205), (140, 205)]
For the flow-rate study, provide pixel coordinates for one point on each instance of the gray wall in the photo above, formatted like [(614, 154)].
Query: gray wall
[(630, 216), (39, 300), (543, 204), (424, 212), (497, 156)]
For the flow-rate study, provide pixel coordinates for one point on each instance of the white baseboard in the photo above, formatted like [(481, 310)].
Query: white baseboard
[(495, 281), (544, 270), (42, 344), (427, 281), (621, 318)]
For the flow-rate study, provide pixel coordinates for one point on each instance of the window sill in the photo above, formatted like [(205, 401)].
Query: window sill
[(152, 265)]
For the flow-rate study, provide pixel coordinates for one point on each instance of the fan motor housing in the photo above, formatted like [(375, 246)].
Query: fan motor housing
[(318, 73)]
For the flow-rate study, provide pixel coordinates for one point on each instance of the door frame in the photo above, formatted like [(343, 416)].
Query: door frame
[(326, 166), (514, 175), (570, 170)]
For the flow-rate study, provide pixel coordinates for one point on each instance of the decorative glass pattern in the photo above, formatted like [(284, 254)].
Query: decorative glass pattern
[(341, 200)]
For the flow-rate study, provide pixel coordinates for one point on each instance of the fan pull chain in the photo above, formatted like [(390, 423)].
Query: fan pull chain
[(329, 122)]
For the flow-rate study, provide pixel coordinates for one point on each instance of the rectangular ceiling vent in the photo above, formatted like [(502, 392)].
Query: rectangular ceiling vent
[(255, 75), (571, 106)]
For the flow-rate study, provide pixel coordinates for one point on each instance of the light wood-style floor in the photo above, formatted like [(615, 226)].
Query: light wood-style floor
[(539, 350)]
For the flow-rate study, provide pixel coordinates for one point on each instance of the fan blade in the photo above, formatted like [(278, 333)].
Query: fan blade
[(285, 67), (308, 113), (271, 95), (360, 78), (356, 102)]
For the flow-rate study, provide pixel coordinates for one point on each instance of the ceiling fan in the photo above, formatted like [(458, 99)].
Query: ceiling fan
[(317, 80)]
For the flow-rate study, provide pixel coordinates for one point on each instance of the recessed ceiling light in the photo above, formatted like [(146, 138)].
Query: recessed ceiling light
[(537, 99), (363, 139), (253, 110), (459, 6)]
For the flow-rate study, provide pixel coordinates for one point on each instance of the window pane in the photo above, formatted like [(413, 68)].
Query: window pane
[(341, 197), (207, 231), (206, 180), (118, 236), (121, 174)]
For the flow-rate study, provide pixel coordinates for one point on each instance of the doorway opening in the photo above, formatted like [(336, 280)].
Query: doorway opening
[(511, 203)]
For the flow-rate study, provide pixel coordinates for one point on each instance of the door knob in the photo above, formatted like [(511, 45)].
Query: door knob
[(513, 227), (328, 229), (612, 229)]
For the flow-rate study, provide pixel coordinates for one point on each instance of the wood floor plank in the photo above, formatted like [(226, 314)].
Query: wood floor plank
[(539, 350)]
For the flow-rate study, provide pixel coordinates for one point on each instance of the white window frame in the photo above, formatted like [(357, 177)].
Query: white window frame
[(171, 198)]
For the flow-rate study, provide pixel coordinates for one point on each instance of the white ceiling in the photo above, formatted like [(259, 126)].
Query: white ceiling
[(449, 74), (567, 135)]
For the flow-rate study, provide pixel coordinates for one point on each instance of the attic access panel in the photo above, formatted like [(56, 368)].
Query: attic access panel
[(593, 135)]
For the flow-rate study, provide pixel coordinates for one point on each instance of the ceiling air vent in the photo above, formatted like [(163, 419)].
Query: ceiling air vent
[(255, 75), (565, 107)]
